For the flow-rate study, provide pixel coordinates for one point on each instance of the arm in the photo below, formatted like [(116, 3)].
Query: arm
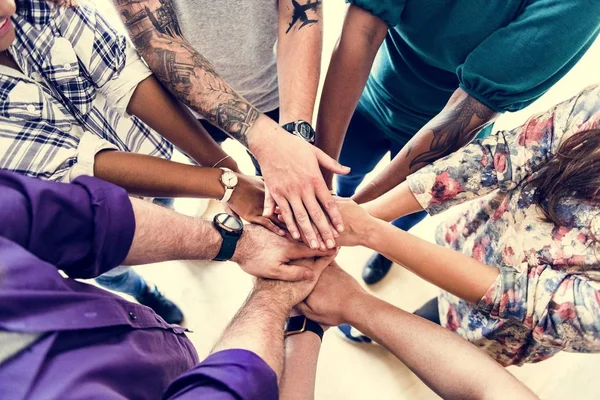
[(351, 62), (454, 127), (156, 107), (256, 331), (301, 357), (299, 49), (449, 365), (297, 188)]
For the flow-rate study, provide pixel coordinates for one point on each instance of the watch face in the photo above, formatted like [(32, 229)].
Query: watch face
[(229, 222), (305, 130), (229, 179)]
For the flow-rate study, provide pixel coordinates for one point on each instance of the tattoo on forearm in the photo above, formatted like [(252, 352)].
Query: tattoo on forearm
[(300, 14), (457, 130), (153, 27)]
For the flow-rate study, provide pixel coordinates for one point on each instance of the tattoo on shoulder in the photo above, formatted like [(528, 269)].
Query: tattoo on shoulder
[(456, 131), (300, 15), (153, 27)]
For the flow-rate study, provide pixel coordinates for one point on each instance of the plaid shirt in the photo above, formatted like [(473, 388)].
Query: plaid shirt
[(78, 76)]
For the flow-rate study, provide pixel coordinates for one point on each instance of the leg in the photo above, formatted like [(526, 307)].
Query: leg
[(364, 146), (126, 280)]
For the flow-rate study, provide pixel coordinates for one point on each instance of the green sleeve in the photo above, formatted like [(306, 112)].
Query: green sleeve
[(520, 62), (388, 10)]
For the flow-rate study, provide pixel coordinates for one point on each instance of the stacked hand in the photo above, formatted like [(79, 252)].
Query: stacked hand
[(297, 187)]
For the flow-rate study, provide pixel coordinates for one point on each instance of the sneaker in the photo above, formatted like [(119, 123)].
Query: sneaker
[(353, 334), (161, 305), (376, 269)]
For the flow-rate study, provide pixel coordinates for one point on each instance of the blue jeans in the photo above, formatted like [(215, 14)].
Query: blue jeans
[(123, 279), (364, 147)]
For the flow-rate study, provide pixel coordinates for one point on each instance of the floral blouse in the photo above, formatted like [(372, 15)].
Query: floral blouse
[(547, 295)]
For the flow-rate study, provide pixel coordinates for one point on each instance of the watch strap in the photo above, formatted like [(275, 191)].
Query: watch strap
[(227, 195), (227, 247), (308, 326), (290, 127)]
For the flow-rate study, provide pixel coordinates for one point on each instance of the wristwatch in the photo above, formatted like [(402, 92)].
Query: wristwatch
[(302, 129), (231, 229), (299, 324), (229, 180)]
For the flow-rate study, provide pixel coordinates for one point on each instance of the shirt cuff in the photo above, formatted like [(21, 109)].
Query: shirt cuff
[(119, 91), (89, 146), (420, 185), (114, 226), (237, 372)]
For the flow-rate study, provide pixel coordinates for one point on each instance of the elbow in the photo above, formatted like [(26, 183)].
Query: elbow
[(370, 29)]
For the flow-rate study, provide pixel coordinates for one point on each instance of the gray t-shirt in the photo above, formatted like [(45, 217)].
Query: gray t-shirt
[(238, 38)]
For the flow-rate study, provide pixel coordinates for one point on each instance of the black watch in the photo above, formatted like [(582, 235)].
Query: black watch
[(231, 229), (302, 129), (300, 323)]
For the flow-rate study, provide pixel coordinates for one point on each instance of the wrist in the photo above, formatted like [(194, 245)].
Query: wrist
[(371, 236), (270, 300), (261, 135), (358, 309), (244, 245)]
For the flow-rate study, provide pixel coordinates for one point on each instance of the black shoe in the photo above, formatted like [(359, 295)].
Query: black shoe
[(376, 268), (161, 305)]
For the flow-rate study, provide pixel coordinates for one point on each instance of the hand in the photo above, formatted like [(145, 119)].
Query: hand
[(247, 201), (289, 294), (332, 296), (264, 254), (291, 170), (358, 223)]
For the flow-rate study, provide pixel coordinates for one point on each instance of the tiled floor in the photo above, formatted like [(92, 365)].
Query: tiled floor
[(210, 293)]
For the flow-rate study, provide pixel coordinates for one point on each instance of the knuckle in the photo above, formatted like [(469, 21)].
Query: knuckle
[(330, 204), (314, 181), (302, 217)]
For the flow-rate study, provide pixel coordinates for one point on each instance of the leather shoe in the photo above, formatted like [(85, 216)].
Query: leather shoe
[(376, 269)]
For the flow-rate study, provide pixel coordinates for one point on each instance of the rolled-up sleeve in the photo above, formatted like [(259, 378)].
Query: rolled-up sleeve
[(227, 375), (387, 10), (89, 146), (85, 228), (518, 63), (563, 310)]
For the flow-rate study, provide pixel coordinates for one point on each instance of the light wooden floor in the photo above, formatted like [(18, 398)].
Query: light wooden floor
[(211, 293)]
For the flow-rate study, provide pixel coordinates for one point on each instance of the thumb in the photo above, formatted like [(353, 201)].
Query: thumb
[(269, 204), (292, 273), (329, 163)]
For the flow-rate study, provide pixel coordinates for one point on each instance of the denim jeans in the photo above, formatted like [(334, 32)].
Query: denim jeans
[(123, 279), (364, 147)]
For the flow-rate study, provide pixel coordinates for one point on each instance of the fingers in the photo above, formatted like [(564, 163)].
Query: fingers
[(331, 207), (329, 163), (300, 251), (320, 220), (269, 204), (303, 220), (267, 223), (287, 216)]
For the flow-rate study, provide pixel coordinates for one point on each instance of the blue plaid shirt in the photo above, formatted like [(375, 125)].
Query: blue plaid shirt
[(78, 76)]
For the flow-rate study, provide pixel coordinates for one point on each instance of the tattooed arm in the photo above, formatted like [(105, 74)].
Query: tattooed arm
[(289, 164), (299, 51), (455, 126)]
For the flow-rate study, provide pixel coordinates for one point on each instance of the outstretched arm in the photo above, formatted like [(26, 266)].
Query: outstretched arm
[(299, 51), (289, 164), (454, 127), (448, 364)]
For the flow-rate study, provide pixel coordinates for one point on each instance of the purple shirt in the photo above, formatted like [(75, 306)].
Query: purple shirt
[(94, 344)]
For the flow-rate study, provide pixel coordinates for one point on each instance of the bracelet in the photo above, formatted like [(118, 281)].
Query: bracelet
[(221, 160)]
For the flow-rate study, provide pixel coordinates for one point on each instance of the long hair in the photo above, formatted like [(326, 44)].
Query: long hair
[(573, 173)]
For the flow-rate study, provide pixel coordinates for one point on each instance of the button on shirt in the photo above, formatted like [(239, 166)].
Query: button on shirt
[(77, 341), (68, 101)]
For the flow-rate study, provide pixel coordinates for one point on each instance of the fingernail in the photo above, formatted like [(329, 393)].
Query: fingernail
[(340, 228), (281, 232), (330, 243), (296, 235), (313, 244)]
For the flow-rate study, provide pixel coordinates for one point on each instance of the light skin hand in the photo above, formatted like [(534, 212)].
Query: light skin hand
[(297, 187), (264, 254), (358, 222)]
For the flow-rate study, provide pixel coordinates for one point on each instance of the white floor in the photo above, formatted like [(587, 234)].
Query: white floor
[(210, 293)]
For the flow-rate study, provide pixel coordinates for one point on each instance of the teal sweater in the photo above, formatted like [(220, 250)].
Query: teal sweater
[(504, 53)]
